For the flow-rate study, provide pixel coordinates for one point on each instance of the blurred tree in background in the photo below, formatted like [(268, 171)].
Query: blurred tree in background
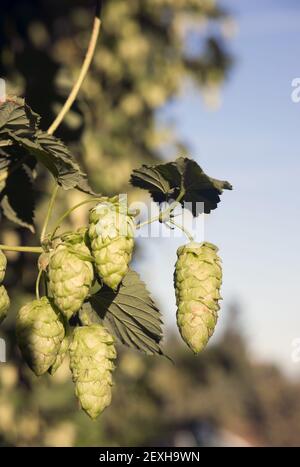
[(148, 50)]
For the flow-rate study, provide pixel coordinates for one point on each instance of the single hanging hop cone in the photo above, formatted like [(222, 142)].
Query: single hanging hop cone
[(3, 264), (111, 233), (4, 303), (70, 273), (92, 352), (40, 332), (197, 278)]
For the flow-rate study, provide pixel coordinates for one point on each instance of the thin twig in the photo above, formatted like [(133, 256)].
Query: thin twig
[(25, 249), (68, 212), (84, 69), (49, 212), (184, 230)]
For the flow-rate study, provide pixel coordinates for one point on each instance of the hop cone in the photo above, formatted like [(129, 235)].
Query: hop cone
[(61, 353), (3, 263), (40, 332), (4, 303), (198, 278), (70, 275), (111, 234), (91, 360)]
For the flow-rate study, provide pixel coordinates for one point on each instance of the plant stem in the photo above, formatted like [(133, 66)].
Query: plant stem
[(149, 221), (163, 214), (49, 211), (84, 69), (172, 206), (184, 230), (26, 249), (68, 212)]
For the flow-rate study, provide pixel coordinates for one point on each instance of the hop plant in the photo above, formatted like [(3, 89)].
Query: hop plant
[(4, 303), (40, 332), (70, 273), (92, 353), (67, 261), (3, 264), (198, 278), (111, 232)]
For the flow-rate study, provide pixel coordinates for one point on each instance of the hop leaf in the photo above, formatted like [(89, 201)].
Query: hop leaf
[(131, 314), (184, 176), (4, 303), (197, 278), (92, 353), (40, 332), (70, 274), (3, 264), (19, 128), (111, 233)]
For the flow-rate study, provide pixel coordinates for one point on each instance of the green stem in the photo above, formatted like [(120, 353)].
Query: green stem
[(172, 206), (184, 230), (149, 221), (49, 211), (46, 284), (68, 212), (37, 284), (162, 216), (25, 249)]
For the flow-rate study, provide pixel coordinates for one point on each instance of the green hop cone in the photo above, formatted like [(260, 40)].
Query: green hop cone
[(111, 233), (92, 352), (64, 347), (3, 264), (4, 303), (71, 274), (197, 278), (40, 332)]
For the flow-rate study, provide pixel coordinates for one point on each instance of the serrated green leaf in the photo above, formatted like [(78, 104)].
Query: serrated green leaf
[(55, 156), (19, 128), (167, 181), (18, 118), (131, 314)]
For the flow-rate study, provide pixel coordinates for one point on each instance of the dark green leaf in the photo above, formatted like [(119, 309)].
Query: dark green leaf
[(131, 314), (17, 117), (167, 181), (66, 169), (19, 129)]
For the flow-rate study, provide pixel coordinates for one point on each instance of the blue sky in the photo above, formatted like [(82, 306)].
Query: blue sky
[(253, 141)]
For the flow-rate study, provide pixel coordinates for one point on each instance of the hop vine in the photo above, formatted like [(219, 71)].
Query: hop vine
[(88, 299)]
